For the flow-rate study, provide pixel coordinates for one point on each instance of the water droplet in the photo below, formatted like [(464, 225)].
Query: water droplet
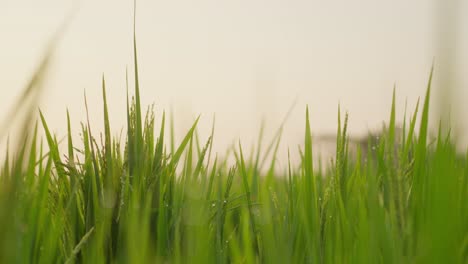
[(213, 204), (225, 201)]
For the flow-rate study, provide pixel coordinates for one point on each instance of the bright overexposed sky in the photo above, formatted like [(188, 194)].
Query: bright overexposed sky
[(243, 59)]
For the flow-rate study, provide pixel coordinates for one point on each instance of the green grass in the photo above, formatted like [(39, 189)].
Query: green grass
[(137, 201)]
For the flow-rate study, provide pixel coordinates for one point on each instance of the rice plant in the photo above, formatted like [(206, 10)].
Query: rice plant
[(137, 201)]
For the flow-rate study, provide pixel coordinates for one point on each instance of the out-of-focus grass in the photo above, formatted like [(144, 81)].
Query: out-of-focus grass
[(135, 201)]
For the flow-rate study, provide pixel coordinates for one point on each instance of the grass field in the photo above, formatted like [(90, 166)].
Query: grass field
[(144, 200)]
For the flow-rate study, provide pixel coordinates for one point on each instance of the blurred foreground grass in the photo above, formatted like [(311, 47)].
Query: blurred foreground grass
[(135, 201)]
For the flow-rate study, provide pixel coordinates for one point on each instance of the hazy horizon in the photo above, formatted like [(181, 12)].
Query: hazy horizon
[(242, 60)]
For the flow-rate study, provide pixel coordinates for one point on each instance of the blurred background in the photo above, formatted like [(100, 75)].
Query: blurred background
[(245, 60)]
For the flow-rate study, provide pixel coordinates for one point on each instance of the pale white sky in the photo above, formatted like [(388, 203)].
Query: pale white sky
[(239, 59)]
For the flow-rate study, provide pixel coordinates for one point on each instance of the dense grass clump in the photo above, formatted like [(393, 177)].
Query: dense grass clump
[(135, 201)]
